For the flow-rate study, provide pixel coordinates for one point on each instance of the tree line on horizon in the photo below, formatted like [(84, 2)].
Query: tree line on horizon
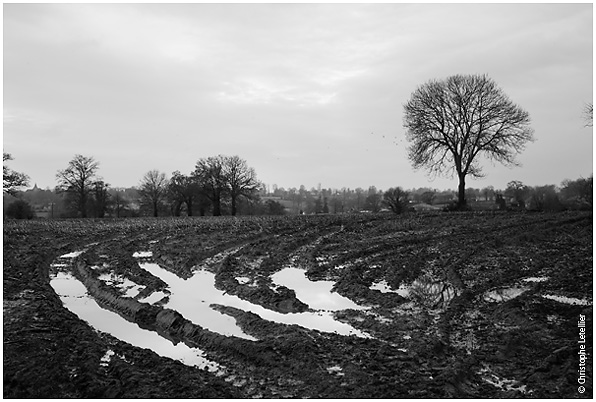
[(449, 124), (223, 185), (215, 181)]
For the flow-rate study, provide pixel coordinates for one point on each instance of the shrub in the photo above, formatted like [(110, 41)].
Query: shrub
[(20, 209)]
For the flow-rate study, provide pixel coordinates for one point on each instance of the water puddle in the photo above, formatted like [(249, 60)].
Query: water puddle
[(72, 255), (335, 370), (425, 291), (243, 280), (488, 375), (192, 298), (317, 294), (142, 254), (504, 294), (384, 287), (130, 288), (430, 293), (106, 358), (73, 295), (154, 297), (536, 279), (568, 300)]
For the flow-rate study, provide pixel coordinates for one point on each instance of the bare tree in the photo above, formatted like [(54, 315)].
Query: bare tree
[(578, 191), (488, 192), (12, 180), (241, 179), (396, 199), (101, 198), (153, 189), (428, 197), (373, 200), (120, 203), (518, 192), (210, 176), (185, 189), (78, 179), (451, 122)]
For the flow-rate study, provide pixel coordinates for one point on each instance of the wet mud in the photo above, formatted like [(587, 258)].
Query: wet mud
[(452, 306)]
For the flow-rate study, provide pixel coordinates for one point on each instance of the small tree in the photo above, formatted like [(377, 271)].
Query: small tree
[(101, 198), (428, 197), (78, 181), (500, 201), (318, 205), (120, 202), (20, 209), (578, 193), (396, 199), (274, 208), (488, 193), (153, 189), (12, 180), (544, 198), (517, 191), (450, 123), (373, 201)]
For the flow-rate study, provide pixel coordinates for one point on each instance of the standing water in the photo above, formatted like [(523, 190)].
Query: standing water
[(192, 298), (73, 295), (317, 294)]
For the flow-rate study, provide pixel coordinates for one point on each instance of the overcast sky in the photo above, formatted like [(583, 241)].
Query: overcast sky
[(305, 93)]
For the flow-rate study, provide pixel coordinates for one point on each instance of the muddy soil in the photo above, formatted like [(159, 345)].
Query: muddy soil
[(458, 331)]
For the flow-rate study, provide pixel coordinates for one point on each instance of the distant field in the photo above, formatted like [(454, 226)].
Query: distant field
[(428, 305)]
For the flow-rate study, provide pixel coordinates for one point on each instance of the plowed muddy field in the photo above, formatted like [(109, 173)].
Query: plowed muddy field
[(447, 305)]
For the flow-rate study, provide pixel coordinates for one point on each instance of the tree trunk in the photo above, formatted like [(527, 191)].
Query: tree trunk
[(176, 210), (155, 209), (83, 204), (461, 192), (216, 205), (189, 206), (117, 206), (233, 205)]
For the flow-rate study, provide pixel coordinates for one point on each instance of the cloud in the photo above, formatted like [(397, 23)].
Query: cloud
[(156, 86)]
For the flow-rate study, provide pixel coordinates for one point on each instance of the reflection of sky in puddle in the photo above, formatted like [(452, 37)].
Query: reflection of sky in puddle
[(495, 380), (73, 254), (568, 300), (536, 279), (191, 297), (154, 297), (143, 254), (500, 295), (384, 287), (317, 294), (74, 297), (131, 289)]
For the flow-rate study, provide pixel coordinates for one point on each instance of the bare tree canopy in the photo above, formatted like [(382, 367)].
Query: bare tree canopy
[(241, 179), (589, 114), (451, 122), (12, 180), (185, 189), (78, 179), (396, 199), (210, 176), (153, 189)]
